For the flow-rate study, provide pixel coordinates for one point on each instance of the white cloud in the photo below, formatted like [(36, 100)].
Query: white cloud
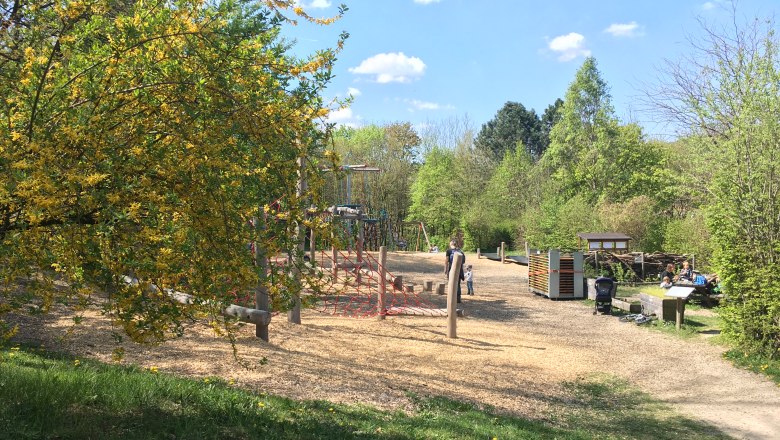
[(314, 4), (569, 46), (320, 4), (391, 67), (416, 104), (632, 29), (344, 117), (426, 2), (710, 5), (351, 91)]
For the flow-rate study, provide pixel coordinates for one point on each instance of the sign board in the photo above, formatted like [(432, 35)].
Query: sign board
[(680, 291)]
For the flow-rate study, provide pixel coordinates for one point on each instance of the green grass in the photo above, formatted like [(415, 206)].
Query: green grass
[(758, 364), (46, 395), (654, 289), (605, 403), (692, 326)]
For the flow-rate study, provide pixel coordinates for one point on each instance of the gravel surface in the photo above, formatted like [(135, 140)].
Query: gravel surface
[(514, 351)]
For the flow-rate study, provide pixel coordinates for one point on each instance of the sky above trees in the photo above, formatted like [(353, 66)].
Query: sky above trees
[(427, 60)]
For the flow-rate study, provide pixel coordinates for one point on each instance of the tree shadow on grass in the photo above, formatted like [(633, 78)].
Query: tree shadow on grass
[(607, 404)]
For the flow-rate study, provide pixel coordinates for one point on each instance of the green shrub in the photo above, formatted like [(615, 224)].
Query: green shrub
[(689, 235)]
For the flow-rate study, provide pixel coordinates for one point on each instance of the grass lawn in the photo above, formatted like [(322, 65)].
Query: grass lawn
[(48, 395)]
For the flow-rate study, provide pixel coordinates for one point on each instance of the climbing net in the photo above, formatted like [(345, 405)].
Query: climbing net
[(350, 286)]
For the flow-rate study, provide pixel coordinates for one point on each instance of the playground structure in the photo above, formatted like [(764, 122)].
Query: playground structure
[(379, 229), (556, 275), (359, 284), (348, 282)]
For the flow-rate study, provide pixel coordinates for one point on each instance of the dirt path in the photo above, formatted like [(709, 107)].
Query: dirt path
[(514, 351)]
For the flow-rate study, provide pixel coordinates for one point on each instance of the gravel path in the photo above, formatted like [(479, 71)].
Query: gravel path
[(514, 351)]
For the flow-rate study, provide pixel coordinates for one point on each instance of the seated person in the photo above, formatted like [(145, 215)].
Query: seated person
[(668, 273), (712, 284), (686, 273), (666, 283)]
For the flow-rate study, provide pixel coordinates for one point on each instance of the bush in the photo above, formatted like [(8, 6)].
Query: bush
[(638, 218), (689, 235)]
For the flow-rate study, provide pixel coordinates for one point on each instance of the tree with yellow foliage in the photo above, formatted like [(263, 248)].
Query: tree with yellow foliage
[(139, 138)]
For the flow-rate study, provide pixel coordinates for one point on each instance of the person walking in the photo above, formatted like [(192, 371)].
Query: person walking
[(449, 258), (469, 276)]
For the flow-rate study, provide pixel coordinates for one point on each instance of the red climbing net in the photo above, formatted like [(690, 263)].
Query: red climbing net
[(348, 285)]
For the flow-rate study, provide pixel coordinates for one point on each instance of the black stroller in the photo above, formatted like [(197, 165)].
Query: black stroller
[(604, 287)]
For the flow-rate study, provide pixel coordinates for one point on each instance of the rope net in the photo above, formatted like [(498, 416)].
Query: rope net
[(349, 285)]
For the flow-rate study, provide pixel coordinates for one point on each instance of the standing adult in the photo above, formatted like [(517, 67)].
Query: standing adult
[(449, 257)]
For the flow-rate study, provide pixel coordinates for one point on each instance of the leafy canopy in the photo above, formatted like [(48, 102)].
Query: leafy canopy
[(139, 138)]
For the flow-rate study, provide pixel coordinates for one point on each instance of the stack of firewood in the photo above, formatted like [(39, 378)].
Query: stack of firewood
[(630, 265)]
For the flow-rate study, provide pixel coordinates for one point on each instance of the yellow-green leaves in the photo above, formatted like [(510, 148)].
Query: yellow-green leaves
[(139, 138)]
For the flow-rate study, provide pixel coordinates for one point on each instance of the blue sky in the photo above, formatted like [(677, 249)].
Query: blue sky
[(424, 61)]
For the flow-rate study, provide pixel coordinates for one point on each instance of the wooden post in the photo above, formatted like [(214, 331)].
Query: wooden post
[(479, 254), (262, 301), (398, 282), (503, 251), (527, 250), (382, 283), (425, 233), (335, 259), (294, 315), (312, 247), (680, 312), (359, 248), (452, 296), (642, 255)]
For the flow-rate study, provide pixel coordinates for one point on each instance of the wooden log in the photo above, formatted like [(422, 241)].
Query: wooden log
[(420, 311), (452, 297), (409, 288), (428, 286), (244, 314), (626, 306), (440, 288), (398, 282)]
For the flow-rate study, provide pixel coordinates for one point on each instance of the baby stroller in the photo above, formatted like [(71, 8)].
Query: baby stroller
[(604, 287)]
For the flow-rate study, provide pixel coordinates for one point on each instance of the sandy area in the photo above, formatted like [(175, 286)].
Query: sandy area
[(514, 349)]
